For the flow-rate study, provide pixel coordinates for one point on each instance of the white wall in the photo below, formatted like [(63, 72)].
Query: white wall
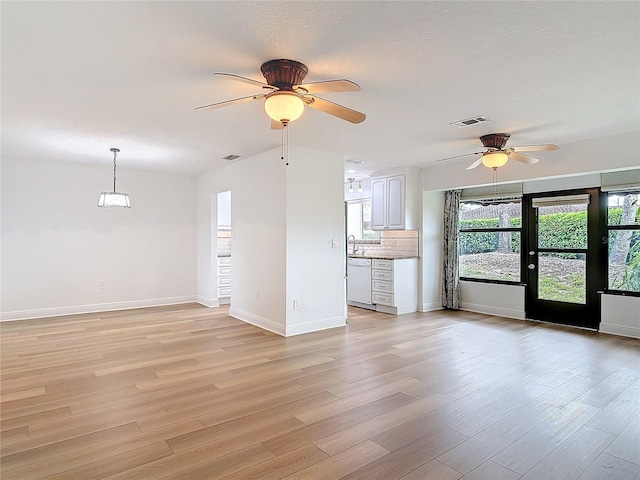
[(621, 315), (58, 247), (284, 218), (493, 299), (432, 246), (315, 241)]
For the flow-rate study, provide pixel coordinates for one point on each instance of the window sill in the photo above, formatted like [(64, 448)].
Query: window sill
[(498, 282), (620, 293)]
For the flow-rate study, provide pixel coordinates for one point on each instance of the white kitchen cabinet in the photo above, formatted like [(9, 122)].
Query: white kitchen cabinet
[(224, 280), (394, 285), (388, 203)]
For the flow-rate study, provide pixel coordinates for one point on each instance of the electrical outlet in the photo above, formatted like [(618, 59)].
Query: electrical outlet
[(103, 285), (334, 243), (296, 304)]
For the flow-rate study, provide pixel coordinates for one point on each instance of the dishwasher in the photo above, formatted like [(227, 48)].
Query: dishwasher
[(359, 282)]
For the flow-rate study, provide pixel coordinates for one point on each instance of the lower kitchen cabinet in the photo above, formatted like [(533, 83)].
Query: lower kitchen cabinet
[(224, 280), (394, 285)]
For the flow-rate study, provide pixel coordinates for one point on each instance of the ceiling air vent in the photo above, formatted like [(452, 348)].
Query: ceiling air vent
[(228, 158), (470, 121)]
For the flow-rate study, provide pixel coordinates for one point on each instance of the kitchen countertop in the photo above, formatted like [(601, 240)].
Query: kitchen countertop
[(382, 257)]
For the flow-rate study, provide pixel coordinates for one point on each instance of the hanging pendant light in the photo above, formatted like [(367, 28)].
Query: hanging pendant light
[(360, 186), (114, 199), (350, 180)]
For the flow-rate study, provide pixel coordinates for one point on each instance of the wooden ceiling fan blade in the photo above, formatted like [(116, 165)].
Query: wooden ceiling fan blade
[(475, 164), (521, 157), (230, 102), (336, 110), (341, 85), (246, 80), (535, 148), (458, 156), (275, 125)]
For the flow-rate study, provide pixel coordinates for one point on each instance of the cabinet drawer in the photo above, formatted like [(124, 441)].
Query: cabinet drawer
[(224, 270), (382, 264), (383, 299), (382, 274), (224, 260), (224, 292), (224, 281), (382, 286)]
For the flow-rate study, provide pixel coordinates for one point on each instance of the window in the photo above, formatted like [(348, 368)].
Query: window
[(490, 239), (359, 220), (623, 240)]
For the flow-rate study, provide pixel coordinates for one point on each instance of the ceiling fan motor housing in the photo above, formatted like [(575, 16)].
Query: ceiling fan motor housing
[(495, 140), (283, 73)]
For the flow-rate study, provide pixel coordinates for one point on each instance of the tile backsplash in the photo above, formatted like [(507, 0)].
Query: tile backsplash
[(392, 242)]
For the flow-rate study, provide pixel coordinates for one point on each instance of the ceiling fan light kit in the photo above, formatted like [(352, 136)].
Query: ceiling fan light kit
[(494, 159), (284, 106)]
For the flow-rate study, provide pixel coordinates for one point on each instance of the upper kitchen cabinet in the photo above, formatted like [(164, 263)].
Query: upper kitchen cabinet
[(388, 202)]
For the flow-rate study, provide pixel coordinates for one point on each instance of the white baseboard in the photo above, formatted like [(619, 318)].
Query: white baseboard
[(490, 310), (93, 308), (207, 302), (316, 326), (622, 330), (430, 307), (261, 322)]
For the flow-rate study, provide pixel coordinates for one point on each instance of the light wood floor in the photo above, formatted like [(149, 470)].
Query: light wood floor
[(189, 392)]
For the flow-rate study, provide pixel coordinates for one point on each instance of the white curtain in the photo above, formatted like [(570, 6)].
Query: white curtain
[(451, 277)]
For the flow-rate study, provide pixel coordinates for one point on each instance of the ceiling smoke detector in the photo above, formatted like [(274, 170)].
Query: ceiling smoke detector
[(470, 121), (228, 158)]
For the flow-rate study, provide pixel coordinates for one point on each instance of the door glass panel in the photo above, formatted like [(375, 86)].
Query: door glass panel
[(562, 277), (562, 226)]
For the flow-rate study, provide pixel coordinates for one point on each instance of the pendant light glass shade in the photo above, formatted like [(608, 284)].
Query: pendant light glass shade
[(284, 106), (114, 199), (494, 159)]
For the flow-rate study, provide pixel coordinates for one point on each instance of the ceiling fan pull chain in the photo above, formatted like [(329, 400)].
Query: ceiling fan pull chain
[(286, 127)]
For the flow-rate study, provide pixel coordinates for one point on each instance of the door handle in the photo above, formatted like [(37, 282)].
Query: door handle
[(532, 266)]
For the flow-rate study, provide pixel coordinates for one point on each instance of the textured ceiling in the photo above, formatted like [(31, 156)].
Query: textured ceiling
[(81, 77)]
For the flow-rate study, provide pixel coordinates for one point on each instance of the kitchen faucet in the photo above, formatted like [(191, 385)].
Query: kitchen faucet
[(355, 247)]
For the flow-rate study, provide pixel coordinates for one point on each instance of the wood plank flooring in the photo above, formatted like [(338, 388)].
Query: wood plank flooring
[(189, 392)]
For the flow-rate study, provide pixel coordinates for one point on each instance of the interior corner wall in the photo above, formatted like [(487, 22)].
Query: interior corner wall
[(315, 241), (432, 247), (61, 254), (258, 238)]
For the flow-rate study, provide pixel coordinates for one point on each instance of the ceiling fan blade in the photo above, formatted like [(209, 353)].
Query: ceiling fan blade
[(535, 148), (521, 157), (458, 156), (246, 80), (230, 102), (336, 110), (330, 86), (275, 125), (475, 164)]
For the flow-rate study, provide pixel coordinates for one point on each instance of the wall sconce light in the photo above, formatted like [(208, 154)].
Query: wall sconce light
[(114, 199)]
